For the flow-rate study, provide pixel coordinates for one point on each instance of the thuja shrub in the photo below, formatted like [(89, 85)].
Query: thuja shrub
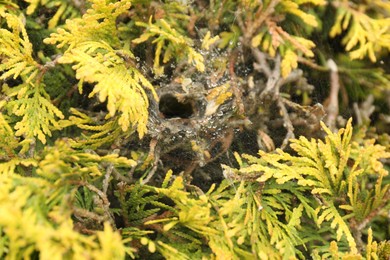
[(194, 129)]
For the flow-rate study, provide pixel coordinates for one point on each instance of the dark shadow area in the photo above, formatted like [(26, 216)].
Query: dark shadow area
[(171, 107)]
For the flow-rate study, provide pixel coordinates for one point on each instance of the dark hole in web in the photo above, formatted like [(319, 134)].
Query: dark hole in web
[(171, 107)]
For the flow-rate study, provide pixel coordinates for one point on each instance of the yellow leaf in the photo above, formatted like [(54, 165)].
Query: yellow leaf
[(307, 18), (289, 62), (208, 41), (257, 40)]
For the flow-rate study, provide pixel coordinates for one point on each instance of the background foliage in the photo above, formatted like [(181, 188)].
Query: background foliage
[(194, 129)]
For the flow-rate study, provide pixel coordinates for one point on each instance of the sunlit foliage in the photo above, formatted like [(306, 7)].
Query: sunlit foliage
[(86, 150)]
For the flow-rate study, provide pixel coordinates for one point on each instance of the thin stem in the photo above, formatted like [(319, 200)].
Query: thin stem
[(105, 204), (333, 107), (287, 124)]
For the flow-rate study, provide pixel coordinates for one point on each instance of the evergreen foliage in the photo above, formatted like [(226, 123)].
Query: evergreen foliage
[(91, 167)]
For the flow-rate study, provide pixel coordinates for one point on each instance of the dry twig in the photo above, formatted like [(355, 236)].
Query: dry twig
[(333, 106), (287, 124)]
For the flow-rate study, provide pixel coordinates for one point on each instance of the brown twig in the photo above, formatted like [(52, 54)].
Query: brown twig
[(312, 64), (127, 179), (251, 26), (105, 204), (287, 124), (44, 68), (80, 4), (150, 174), (333, 106), (106, 180), (261, 64), (31, 150), (83, 213), (364, 110), (286, 36), (109, 170), (226, 142), (273, 80), (214, 23)]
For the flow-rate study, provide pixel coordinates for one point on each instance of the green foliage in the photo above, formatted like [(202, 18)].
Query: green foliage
[(174, 44), (85, 164), (288, 198), (96, 25), (8, 141), (16, 50), (91, 46), (225, 220), (336, 168), (35, 218), (265, 33), (96, 60), (37, 114), (366, 36), (33, 106), (101, 133), (54, 163), (64, 10)]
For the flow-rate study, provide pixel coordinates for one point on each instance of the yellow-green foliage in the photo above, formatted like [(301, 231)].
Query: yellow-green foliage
[(36, 211), (55, 165), (172, 42), (100, 133), (35, 217), (38, 114), (237, 222), (366, 36), (17, 50), (270, 37), (68, 188), (337, 168), (31, 102), (259, 209), (64, 9), (96, 53), (260, 215), (8, 141)]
